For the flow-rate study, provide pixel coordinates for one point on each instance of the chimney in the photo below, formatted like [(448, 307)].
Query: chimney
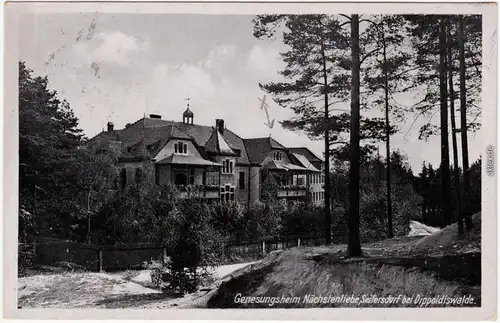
[(110, 126), (155, 116), (219, 124)]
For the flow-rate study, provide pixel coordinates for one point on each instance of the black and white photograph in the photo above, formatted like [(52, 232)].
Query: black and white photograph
[(266, 159)]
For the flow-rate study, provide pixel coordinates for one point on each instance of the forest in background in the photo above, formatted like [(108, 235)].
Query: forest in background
[(69, 191)]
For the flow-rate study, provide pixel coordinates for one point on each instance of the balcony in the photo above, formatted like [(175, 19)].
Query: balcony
[(292, 191)]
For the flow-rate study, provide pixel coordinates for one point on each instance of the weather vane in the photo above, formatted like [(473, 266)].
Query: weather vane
[(188, 99)]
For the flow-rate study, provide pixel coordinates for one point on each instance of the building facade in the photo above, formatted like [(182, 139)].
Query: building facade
[(213, 159)]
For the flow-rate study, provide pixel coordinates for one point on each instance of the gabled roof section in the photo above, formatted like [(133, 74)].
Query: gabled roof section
[(104, 136), (259, 148), (216, 144), (303, 160), (143, 138), (187, 160), (275, 144), (312, 157), (279, 165)]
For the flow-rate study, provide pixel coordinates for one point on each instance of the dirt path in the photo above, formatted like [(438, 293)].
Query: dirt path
[(74, 290), (100, 290)]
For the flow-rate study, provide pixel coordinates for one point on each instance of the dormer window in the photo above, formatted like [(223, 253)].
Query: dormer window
[(180, 148), (277, 155)]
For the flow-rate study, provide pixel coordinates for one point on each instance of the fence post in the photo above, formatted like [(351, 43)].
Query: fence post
[(298, 242), (263, 248), (100, 259)]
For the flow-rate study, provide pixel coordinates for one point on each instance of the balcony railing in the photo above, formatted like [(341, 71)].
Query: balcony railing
[(292, 191), (206, 191)]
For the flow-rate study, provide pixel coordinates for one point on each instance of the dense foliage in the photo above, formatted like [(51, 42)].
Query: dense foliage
[(373, 220), (60, 184), (428, 186), (72, 191)]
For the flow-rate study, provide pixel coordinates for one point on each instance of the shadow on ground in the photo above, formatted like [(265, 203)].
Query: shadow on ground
[(124, 301)]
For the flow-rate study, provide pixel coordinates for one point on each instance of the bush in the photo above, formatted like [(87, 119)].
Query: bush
[(231, 220), (304, 219), (265, 219), (195, 246)]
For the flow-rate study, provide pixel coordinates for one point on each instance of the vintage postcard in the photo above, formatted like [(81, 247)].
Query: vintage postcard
[(250, 161)]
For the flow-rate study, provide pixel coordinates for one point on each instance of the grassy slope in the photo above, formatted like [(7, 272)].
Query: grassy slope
[(388, 269)]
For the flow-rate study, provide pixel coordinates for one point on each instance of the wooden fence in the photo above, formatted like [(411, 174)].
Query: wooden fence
[(51, 251), (247, 251)]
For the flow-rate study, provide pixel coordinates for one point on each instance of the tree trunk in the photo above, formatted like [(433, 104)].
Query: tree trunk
[(390, 230), (463, 125), (445, 153), (88, 214), (454, 137), (354, 245), (328, 220)]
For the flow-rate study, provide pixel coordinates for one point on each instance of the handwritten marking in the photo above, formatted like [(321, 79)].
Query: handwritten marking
[(270, 123)]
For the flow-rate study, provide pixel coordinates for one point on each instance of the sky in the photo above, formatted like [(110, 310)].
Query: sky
[(119, 67)]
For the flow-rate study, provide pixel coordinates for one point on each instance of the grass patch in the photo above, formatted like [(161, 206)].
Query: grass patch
[(299, 273)]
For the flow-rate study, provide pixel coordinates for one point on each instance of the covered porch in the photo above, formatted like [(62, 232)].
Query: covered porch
[(291, 179), (190, 175)]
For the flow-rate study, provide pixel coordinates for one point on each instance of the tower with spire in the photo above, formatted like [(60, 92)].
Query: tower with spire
[(188, 115)]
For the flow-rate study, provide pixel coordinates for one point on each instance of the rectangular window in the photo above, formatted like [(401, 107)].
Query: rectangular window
[(300, 181), (191, 176), (227, 193), (212, 178), (180, 148), (123, 177), (157, 175), (227, 166), (241, 181)]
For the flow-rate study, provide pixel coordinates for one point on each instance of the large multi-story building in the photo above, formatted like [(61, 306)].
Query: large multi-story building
[(212, 158)]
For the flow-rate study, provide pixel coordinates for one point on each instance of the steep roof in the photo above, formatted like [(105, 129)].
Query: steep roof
[(156, 132), (187, 160), (279, 165), (259, 148), (312, 157), (303, 160), (218, 145)]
